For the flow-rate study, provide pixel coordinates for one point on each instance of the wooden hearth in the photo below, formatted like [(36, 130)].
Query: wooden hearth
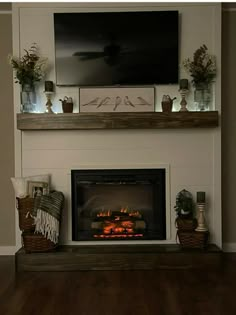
[(120, 257)]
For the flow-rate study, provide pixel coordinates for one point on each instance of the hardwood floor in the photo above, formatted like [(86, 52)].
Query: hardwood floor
[(139, 292)]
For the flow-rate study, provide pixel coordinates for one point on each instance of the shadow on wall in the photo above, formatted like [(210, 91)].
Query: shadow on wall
[(7, 214), (228, 125)]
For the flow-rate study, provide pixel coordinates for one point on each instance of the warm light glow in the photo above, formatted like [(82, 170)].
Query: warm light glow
[(118, 235), (104, 213), (136, 214), (119, 224)]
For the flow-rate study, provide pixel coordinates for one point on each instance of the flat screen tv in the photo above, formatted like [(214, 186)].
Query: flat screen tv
[(116, 48)]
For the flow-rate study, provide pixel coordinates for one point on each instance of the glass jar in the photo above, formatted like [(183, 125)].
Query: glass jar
[(202, 96), (28, 98)]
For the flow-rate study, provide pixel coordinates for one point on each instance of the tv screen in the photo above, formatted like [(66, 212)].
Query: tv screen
[(116, 48)]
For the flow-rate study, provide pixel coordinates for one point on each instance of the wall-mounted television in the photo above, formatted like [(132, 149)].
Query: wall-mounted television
[(116, 48)]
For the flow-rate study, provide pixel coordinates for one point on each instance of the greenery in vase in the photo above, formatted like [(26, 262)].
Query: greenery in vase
[(202, 68), (184, 204), (30, 67)]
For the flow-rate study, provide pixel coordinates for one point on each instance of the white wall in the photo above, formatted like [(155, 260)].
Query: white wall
[(198, 25), (188, 155), (193, 156)]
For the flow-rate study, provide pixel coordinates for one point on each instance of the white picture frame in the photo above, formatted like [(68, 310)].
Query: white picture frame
[(37, 189), (118, 99)]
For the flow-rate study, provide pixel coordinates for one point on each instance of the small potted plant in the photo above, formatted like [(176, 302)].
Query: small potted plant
[(185, 211), (29, 69)]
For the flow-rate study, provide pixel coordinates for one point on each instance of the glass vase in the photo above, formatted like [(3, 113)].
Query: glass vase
[(202, 97), (28, 98)]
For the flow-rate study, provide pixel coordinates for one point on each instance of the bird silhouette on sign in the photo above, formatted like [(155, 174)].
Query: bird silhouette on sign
[(93, 102), (143, 101), (117, 102), (104, 101), (128, 102)]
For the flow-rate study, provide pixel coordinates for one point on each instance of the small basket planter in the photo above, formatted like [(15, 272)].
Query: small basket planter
[(186, 224), (36, 243), (193, 239), (25, 209)]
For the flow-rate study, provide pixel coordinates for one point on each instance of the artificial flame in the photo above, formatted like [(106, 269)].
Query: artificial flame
[(108, 213), (118, 227), (104, 213), (135, 214), (118, 235), (119, 224)]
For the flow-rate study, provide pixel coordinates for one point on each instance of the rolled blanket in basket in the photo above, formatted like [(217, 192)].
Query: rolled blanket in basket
[(47, 214)]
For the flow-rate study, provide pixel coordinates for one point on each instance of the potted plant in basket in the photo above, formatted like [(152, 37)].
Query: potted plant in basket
[(29, 69), (185, 211), (202, 69)]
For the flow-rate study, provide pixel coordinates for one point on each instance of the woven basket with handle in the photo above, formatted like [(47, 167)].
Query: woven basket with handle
[(186, 224), (34, 243), (193, 239), (25, 209)]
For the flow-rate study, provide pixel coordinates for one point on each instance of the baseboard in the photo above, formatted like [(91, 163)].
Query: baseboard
[(7, 250), (229, 247)]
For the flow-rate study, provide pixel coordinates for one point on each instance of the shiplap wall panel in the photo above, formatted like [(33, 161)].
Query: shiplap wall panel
[(36, 25), (75, 158), (90, 139), (192, 176), (185, 176), (190, 154)]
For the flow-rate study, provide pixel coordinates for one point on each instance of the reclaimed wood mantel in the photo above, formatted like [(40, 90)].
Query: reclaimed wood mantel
[(144, 120)]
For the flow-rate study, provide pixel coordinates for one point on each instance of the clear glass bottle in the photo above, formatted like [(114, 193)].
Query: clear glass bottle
[(202, 96), (28, 98)]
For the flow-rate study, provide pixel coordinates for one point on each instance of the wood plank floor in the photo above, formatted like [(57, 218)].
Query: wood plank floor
[(139, 292)]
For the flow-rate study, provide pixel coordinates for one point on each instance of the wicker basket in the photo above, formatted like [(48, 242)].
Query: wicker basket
[(186, 224), (37, 243), (25, 209), (193, 239)]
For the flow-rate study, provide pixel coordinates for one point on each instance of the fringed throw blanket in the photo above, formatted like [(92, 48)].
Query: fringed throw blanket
[(47, 215)]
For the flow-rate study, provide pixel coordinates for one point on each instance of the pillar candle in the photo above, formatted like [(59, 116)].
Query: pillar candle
[(183, 84), (201, 198), (48, 86)]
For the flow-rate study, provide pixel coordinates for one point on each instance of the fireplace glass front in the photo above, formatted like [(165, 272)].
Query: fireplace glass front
[(118, 204)]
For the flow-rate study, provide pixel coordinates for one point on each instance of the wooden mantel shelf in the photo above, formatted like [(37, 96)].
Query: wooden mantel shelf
[(145, 120)]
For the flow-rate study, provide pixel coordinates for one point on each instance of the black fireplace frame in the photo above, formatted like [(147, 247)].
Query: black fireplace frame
[(157, 176)]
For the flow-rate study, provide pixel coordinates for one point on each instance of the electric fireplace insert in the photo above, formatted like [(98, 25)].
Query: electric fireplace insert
[(120, 204)]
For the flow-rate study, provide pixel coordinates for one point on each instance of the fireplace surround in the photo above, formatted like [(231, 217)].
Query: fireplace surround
[(118, 204), (185, 143)]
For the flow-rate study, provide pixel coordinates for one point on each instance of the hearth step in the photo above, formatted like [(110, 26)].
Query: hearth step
[(120, 257)]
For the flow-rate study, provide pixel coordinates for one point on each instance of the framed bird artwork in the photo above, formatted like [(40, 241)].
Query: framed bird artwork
[(117, 99)]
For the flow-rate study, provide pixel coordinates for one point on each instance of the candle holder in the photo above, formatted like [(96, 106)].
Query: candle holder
[(183, 103), (49, 103), (201, 222)]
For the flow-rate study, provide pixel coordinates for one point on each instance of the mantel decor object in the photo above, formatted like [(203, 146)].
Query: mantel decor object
[(167, 103), (67, 104), (201, 203), (29, 69), (202, 69), (49, 93), (202, 96), (117, 99), (183, 89), (28, 98)]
